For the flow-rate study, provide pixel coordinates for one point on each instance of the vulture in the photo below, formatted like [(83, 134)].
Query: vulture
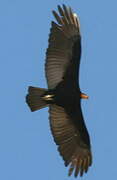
[(63, 95)]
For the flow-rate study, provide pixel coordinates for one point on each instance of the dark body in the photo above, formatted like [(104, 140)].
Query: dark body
[(63, 96)]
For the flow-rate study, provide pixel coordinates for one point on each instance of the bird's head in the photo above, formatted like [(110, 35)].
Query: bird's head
[(83, 96)]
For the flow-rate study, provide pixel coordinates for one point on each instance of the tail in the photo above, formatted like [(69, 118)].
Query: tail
[(34, 100)]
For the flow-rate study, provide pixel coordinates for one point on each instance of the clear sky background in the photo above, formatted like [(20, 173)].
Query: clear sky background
[(27, 149)]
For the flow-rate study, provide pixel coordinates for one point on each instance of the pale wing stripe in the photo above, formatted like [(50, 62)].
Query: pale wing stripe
[(55, 60), (56, 75), (56, 115), (56, 66)]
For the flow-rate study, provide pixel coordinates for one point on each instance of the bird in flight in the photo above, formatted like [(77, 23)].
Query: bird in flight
[(63, 96)]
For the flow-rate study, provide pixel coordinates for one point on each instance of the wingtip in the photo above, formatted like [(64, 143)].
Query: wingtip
[(64, 6)]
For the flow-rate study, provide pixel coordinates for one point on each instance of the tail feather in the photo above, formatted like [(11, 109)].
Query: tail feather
[(34, 100)]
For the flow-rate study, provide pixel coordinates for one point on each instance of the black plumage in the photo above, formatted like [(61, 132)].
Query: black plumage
[(63, 95)]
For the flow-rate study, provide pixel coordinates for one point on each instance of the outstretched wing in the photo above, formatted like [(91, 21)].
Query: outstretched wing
[(64, 48), (72, 144)]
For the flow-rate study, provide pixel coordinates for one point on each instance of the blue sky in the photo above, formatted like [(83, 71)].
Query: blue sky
[(27, 149)]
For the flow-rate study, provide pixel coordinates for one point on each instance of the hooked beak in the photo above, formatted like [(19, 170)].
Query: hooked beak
[(84, 96)]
